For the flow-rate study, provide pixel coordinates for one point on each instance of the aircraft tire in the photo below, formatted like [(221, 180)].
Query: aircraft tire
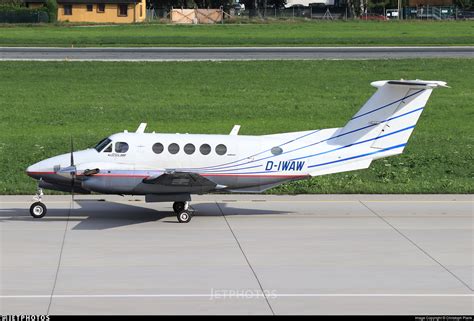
[(184, 217), (178, 207), (38, 210)]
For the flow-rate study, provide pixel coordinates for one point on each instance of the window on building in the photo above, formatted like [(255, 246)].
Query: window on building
[(121, 147), (68, 9), (221, 149), (158, 148), (101, 7), (173, 148), (189, 149), (122, 10), (89, 7), (205, 149), (141, 10)]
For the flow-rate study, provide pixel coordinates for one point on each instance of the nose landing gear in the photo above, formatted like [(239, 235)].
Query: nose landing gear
[(182, 211), (38, 209)]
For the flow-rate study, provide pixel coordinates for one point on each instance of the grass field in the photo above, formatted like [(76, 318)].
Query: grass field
[(314, 33), (43, 104)]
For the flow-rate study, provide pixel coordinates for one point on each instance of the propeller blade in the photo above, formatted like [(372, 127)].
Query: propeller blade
[(72, 152), (73, 169)]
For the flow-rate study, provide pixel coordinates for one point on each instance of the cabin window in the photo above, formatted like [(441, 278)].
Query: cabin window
[(173, 148), (121, 147), (108, 149), (189, 149), (122, 10), (68, 9), (101, 145), (158, 148), (205, 149), (276, 150), (101, 7), (221, 149), (89, 7)]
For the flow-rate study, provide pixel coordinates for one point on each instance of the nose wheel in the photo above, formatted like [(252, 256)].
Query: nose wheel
[(182, 211), (38, 209)]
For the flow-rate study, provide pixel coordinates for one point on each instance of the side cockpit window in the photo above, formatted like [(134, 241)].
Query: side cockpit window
[(108, 149), (121, 147), (102, 144)]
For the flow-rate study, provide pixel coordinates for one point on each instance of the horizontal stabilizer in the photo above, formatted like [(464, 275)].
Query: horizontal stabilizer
[(411, 83)]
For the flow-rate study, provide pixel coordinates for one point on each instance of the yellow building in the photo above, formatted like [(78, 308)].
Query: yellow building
[(101, 11)]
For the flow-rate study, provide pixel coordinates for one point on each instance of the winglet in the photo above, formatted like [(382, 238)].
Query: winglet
[(141, 128), (235, 130)]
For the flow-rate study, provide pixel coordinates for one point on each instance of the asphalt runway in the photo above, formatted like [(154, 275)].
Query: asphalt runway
[(231, 53), (308, 254)]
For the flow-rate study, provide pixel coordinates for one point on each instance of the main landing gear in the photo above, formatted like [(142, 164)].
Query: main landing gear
[(38, 209), (182, 211)]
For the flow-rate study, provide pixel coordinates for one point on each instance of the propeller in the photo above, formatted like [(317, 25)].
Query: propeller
[(73, 170)]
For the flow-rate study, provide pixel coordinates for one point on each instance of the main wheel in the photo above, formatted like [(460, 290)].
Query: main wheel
[(184, 217), (178, 207), (38, 210)]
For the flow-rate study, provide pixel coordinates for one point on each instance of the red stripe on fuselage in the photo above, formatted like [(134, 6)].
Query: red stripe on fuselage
[(40, 173), (214, 174)]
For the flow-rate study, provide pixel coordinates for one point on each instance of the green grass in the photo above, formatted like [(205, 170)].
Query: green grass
[(43, 104), (314, 33)]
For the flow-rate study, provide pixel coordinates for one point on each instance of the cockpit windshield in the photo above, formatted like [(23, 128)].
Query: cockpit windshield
[(102, 144)]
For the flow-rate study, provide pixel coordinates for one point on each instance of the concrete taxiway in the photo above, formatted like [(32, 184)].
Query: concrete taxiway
[(230, 53), (308, 254)]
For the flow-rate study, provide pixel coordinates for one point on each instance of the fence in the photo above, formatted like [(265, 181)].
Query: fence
[(23, 16), (263, 13), (327, 13)]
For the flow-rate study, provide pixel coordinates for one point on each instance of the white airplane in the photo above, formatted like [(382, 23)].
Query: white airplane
[(171, 167)]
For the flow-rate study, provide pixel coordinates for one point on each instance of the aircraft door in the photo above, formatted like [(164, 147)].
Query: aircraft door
[(250, 149), (139, 156)]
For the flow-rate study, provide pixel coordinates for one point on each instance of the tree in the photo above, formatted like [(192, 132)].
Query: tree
[(354, 7), (378, 5), (11, 3), (52, 7), (465, 4)]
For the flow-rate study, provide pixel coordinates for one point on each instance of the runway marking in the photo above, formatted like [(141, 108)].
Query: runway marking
[(235, 295), (416, 245), (246, 258)]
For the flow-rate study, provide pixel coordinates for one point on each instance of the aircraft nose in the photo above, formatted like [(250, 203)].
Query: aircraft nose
[(33, 170), (41, 169)]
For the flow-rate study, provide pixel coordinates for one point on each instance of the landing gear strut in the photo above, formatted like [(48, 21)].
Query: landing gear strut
[(38, 209), (182, 211)]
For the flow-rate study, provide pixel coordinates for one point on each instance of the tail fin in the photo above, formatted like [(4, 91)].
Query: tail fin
[(393, 109)]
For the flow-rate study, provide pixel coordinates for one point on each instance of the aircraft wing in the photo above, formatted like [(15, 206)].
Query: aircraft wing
[(182, 179)]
